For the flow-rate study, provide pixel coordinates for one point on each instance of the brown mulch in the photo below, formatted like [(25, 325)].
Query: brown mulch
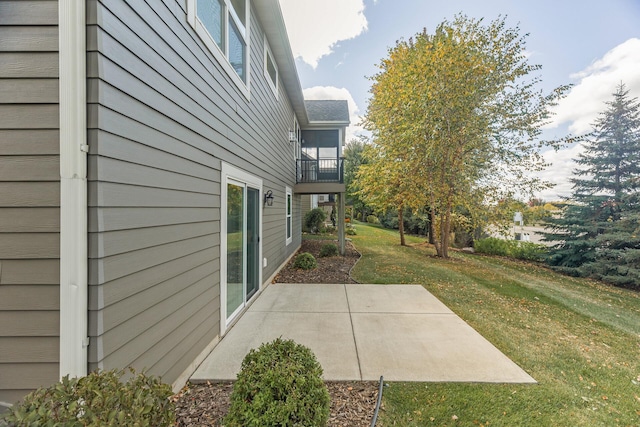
[(330, 269), (352, 403)]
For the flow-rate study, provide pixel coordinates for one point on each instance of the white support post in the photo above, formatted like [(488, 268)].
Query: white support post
[(341, 221), (73, 188)]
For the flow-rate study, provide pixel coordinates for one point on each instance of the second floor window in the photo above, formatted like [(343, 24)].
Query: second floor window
[(225, 23)]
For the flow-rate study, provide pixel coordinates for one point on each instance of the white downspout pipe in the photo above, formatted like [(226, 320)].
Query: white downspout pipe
[(73, 188)]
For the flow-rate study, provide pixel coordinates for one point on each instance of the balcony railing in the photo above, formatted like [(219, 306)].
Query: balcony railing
[(320, 170)]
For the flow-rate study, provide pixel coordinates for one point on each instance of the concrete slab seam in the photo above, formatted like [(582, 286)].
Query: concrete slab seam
[(353, 332)]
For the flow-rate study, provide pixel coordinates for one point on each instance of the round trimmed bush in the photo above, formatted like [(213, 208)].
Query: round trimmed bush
[(279, 384), (329, 249), (305, 261)]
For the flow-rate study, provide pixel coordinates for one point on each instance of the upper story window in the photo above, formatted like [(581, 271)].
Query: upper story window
[(270, 69), (223, 25)]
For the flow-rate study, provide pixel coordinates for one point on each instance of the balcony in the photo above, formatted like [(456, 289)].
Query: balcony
[(320, 176)]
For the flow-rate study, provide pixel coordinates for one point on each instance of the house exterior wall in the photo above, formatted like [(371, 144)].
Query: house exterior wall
[(29, 197), (163, 117)]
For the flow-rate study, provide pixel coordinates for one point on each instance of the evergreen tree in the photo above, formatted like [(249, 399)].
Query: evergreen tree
[(599, 230)]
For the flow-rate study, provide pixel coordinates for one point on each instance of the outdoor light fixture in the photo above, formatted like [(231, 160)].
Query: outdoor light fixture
[(292, 136), (268, 198)]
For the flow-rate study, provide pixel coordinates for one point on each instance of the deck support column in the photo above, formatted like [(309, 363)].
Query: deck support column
[(341, 224)]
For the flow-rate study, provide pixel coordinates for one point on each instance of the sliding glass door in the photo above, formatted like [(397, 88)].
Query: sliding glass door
[(240, 245)]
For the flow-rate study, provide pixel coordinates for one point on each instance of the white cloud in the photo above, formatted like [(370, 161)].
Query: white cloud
[(560, 171), (330, 92), (316, 26), (596, 84)]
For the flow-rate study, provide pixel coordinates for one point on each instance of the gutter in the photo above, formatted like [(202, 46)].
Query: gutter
[(73, 188)]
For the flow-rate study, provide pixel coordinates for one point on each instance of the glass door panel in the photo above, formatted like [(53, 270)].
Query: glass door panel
[(253, 241), (235, 248)]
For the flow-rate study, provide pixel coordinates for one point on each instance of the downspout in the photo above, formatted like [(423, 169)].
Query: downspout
[(73, 188)]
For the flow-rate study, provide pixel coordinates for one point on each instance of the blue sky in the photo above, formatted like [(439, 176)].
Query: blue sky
[(593, 44)]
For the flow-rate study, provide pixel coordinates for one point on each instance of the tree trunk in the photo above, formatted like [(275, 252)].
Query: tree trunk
[(446, 231), (401, 225), (432, 229), (437, 242)]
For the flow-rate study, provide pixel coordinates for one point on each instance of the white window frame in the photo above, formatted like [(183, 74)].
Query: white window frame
[(268, 55), (221, 55), (288, 214), (233, 174)]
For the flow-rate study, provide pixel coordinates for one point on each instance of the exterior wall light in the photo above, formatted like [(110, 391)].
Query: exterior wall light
[(268, 198)]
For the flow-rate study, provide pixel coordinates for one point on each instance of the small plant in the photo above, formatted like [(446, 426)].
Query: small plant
[(279, 384), (351, 231), (314, 219), (329, 249), (98, 399), (305, 261), (372, 219)]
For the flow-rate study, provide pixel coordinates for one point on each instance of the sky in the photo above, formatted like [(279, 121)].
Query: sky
[(592, 44)]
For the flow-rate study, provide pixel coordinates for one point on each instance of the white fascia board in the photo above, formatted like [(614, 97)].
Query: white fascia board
[(73, 189)]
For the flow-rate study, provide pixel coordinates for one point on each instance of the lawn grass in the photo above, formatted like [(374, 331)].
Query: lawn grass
[(579, 339)]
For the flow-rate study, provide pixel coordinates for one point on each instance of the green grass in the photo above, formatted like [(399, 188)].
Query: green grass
[(579, 339)]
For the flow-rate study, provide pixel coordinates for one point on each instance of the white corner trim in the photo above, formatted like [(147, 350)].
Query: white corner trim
[(73, 188)]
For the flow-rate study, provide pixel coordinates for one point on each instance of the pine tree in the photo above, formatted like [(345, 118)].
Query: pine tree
[(599, 230)]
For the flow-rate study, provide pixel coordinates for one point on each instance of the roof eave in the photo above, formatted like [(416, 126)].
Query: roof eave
[(276, 32)]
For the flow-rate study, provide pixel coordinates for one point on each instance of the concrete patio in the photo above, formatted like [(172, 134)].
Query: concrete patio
[(359, 332)]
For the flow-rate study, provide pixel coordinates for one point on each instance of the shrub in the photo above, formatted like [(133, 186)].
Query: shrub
[(314, 219), (329, 249), (372, 219), (511, 248), (98, 399), (351, 231), (279, 384), (491, 246), (305, 261)]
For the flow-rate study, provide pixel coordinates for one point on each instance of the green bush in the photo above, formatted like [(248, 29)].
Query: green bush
[(351, 231), (305, 261), (372, 219), (279, 384), (99, 399), (328, 249), (511, 248), (314, 219)]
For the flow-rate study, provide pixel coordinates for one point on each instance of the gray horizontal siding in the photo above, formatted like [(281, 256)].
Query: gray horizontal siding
[(15, 376), (29, 220), (29, 38), (29, 197), (29, 271), (29, 297), (162, 117), (28, 65), (29, 323), (32, 91), (28, 349), (29, 141), (29, 12)]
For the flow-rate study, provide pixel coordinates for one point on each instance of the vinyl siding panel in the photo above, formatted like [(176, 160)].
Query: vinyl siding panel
[(29, 197), (163, 117)]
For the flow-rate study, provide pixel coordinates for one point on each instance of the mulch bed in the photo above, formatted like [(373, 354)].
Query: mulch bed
[(352, 403), (334, 269)]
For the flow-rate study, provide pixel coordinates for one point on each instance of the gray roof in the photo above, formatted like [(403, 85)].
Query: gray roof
[(327, 111)]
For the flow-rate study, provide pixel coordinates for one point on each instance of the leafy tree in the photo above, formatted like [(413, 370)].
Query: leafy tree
[(600, 228), (456, 118), (384, 185), (353, 159)]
